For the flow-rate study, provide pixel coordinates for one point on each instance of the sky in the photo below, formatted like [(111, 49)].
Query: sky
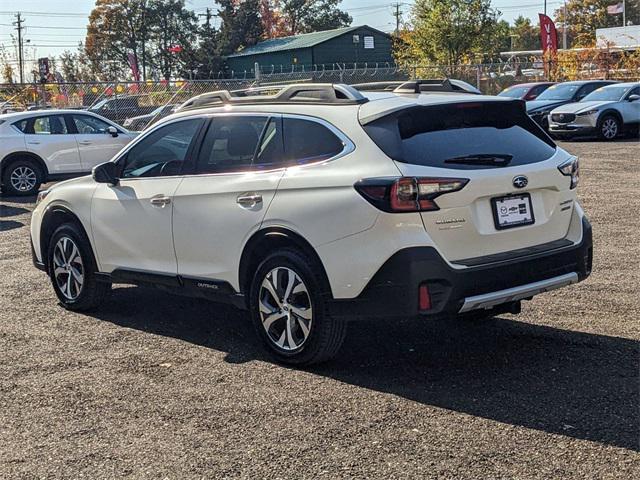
[(53, 26)]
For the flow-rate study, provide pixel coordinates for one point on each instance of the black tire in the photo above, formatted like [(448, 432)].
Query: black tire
[(22, 177), (609, 127), (325, 333), (560, 137), (545, 124), (91, 292)]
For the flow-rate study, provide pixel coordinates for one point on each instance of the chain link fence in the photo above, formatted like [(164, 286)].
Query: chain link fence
[(135, 105)]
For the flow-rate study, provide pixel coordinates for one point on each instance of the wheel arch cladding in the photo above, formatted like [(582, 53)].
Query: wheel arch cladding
[(610, 112), (53, 217), (14, 156), (266, 241)]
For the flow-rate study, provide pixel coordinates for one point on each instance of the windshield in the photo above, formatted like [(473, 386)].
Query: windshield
[(100, 104), (563, 91), (607, 93), (514, 92)]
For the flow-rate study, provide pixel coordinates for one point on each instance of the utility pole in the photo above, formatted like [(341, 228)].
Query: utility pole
[(397, 14), (564, 27), (208, 16), (18, 23)]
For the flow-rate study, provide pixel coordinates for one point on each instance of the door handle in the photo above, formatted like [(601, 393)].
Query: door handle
[(33, 143), (249, 200), (85, 142), (160, 201)]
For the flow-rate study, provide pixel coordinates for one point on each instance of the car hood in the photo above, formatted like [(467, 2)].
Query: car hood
[(85, 180), (582, 106), (147, 116), (536, 105)]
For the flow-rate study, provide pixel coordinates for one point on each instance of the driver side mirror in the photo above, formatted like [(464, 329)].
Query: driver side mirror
[(633, 98), (105, 173), (113, 131)]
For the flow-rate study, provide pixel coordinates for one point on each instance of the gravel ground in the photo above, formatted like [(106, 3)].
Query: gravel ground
[(156, 386)]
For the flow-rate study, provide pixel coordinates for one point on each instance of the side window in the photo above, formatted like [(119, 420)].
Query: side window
[(232, 142), (21, 125), (162, 152), (538, 90), (587, 89), (50, 125), (635, 91), (89, 125), (308, 141)]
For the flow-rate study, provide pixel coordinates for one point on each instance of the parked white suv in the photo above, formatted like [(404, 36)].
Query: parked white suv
[(319, 204), (41, 146)]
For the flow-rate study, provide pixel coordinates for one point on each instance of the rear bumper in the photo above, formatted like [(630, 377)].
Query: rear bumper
[(393, 291)]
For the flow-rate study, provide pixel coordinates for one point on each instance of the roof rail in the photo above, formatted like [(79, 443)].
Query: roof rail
[(423, 85), (308, 93), (419, 86), (378, 86)]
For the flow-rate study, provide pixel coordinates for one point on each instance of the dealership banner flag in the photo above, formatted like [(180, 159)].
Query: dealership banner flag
[(133, 63), (548, 34), (615, 9)]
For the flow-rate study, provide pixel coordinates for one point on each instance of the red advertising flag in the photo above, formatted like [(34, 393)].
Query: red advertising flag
[(133, 63), (548, 34)]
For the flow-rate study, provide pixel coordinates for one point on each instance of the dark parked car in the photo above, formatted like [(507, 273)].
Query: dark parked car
[(120, 108), (561, 94), (142, 121), (525, 91)]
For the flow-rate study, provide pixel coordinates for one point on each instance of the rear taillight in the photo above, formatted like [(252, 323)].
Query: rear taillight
[(571, 168), (407, 194)]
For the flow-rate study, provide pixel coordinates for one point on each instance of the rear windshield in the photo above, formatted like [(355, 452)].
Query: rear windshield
[(514, 92), (462, 136)]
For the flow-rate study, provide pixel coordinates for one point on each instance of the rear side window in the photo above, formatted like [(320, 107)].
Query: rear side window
[(462, 136), (49, 125), (240, 143), (21, 125), (307, 141)]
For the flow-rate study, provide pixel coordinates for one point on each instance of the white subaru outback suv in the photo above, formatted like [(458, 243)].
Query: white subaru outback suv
[(320, 204), (41, 146)]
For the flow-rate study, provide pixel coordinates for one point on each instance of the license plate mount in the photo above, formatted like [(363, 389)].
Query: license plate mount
[(512, 211)]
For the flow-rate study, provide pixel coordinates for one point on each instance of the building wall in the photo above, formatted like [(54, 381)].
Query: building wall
[(266, 60), (337, 50), (343, 49)]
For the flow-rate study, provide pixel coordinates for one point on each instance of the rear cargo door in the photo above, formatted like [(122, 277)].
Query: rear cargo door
[(515, 198)]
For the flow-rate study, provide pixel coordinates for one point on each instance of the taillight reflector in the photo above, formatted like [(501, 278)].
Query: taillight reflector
[(424, 298)]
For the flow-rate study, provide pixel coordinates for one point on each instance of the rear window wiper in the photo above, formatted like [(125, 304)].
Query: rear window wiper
[(489, 159)]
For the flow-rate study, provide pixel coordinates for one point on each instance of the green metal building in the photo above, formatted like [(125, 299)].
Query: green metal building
[(350, 45)]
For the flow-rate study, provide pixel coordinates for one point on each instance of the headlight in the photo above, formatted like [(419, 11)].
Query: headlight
[(589, 112), (571, 168), (42, 195)]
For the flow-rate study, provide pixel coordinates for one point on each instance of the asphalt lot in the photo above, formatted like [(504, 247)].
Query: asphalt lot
[(156, 386)]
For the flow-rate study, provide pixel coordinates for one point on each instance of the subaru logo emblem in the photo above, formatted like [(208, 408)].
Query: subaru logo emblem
[(520, 181)]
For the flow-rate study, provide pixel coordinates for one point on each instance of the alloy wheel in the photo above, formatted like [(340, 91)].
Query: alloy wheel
[(68, 270), (609, 128), (285, 308), (23, 179)]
